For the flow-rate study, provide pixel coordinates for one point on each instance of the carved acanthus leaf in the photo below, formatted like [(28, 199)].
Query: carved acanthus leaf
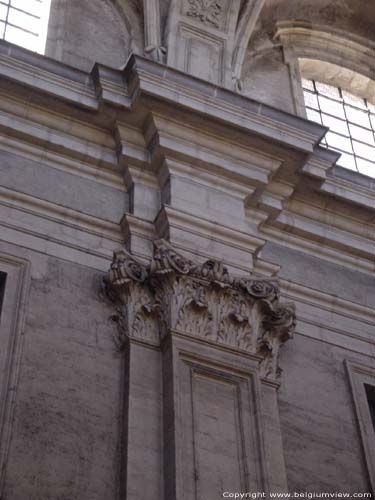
[(125, 286), (278, 327), (192, 313), (124, 270), (261, 289), (168, 260), (234, 325)]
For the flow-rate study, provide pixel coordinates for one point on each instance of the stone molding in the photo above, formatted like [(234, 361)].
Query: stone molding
[(129, 90), (302, 40), (359, 375), (174, 294), (12, 334)]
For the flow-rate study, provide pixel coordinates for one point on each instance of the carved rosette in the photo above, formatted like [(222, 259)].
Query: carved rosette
[(202, 301)]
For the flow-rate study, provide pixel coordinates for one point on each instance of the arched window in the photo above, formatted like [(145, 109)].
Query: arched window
[(351, 120), (25, 22)]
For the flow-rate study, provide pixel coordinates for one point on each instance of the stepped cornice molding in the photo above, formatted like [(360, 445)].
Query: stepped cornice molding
[(209, 236), (35, 71), (353, 193), (328, 302), (56, 230), (327, 234), (142, 77), (202, 301), (304, 243), (124, 102), (65, 163)]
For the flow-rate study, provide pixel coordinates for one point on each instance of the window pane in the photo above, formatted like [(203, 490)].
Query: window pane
[(332, 107), (313, 115), (308, 84), (351, 123), (347, 161), (3, 12), (22, 17), (20, 37), (364, 150), (366, 167), (311, 100), (358, 117), (328, 90), (336, 125), (339, 142), (31, 6), (22, 20), (361, 134), (354, 100)]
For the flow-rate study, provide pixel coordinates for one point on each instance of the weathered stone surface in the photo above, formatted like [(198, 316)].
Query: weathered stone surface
[(194, 160), (68, 412), (316, 411)]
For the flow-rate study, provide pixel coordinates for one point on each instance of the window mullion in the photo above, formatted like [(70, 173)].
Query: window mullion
[(350, 135)]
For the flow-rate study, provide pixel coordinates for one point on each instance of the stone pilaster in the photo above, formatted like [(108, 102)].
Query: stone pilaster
[(219, 338)]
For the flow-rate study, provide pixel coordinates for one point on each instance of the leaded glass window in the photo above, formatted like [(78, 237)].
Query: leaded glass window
[(351, 121), (25, 22)]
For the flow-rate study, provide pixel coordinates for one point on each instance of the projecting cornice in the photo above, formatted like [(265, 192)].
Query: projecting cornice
[(142, 120), (143, 77)]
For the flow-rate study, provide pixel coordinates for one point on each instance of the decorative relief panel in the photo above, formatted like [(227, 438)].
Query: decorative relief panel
[(205, 301), (209, 12)]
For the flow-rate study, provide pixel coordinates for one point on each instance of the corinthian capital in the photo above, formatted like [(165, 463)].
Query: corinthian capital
[(199, 300), (278, 327)]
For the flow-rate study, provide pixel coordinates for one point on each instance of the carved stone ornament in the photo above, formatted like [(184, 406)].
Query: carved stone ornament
[(125, 286), (199, 300), (157, 53), (209, 12)]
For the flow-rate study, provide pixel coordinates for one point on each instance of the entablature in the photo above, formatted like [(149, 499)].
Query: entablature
[(161, 128)]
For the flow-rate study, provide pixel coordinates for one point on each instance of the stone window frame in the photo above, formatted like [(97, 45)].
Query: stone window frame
[(359, 375), (328, 55), (3, 280), (11, 337)]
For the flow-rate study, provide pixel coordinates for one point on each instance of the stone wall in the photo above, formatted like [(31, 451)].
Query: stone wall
[(68, 412), (240, 295)]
